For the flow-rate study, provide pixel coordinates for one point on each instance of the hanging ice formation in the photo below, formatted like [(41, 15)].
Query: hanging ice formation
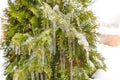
[(32, 75), (54, 37), (43, 55)]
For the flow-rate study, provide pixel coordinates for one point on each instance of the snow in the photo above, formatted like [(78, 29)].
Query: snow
[(107, 10), (112, 58), (109, 30)]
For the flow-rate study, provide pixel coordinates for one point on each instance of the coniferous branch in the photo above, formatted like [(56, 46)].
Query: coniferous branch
[(51, 40)]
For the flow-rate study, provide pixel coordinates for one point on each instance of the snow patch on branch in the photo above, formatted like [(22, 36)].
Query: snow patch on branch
[(82, 40)]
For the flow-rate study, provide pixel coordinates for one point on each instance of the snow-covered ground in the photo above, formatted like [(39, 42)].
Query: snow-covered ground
[(112, 59)]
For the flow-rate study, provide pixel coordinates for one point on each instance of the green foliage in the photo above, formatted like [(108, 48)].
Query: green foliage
[(18, 39), (51, 40)]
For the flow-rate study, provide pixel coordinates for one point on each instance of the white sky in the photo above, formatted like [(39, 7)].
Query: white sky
[(3, 4), (107, 10)]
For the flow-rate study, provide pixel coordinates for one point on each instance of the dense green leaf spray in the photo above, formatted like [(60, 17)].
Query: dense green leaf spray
[(50, 40)]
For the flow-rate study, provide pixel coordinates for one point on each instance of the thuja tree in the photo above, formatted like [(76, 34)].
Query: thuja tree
[(51, 40)]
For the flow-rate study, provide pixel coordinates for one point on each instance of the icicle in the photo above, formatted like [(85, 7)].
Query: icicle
[(69, 46), (70, 59), (45, 14), (32, 75), (43, 55), (29, 51), (73, 46), (61, 60), (54, 37), (37, 76), (72, 14), (47, 24), (71, 67), (51, 48), (17, 50), (43, 62), (87, 53), (41, 75), (64, 53), (13, 46)]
